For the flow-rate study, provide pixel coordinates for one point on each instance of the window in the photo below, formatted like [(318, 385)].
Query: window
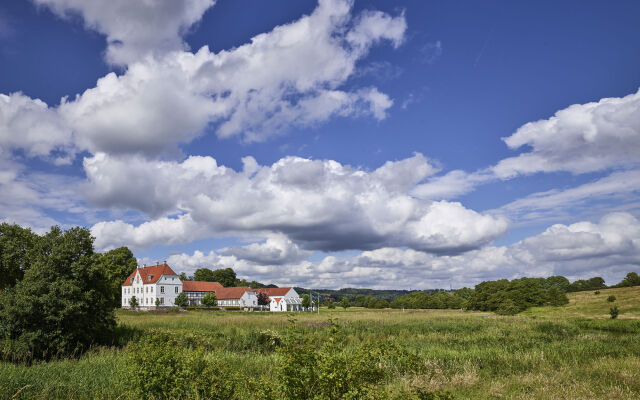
[(146, 300), (161, 300), (161, 289), (146, 289), (151, 289), (176, 289)]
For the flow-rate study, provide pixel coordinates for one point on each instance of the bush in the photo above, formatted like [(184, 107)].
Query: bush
[(209, 300), (613, 311), (233, 308), (331, 305), (597, 292), (202, 308), (181, 300), (611, 299), (159, 368)]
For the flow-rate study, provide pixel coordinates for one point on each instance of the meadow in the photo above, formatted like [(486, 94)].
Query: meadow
[(570, 352)]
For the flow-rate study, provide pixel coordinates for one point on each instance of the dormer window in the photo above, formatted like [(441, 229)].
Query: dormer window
[(150, 278), (132, 279)]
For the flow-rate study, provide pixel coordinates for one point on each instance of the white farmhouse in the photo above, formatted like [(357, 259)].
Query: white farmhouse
[(150, 283), (196, 290), (242, 297), (283, 299)]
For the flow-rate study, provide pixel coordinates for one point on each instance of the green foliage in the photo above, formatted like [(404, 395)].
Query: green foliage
[(611, 298), (181, 300), (511, 297), (589, 284), (309, 370), (184, 277), (306, 301), (15, 244), (597, 292), (226, 277), (159, 368), (133, 302), (117, 264), (157, 302), (360, 300), (614, 311), (233, 308), (345, 303), (436, 300), (331, 305), (209, 300), (63, 305), (632, 279), (204, 275)]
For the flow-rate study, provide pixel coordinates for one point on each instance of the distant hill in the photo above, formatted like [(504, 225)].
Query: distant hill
[(351, 293)]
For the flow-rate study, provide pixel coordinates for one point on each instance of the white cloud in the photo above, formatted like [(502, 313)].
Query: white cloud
[(619, 186), (276, 250), (30, 125), (609, 248), (319, 205), (580, 138), (289, 77), (135, 29)]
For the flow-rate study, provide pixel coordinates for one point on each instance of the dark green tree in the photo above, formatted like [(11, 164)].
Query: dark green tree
[(63, 305), (226, 277), (359, 300), (133, 302), (614, 311), (184, 277), (209, 300), (204, 275), (117, 264), (181, 300), (632, 279), (15, 244)]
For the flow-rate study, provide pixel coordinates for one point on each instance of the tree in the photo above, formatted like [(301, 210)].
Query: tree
[(209, 300), (226, 277), (184, 277), (181, 300), (204, 274), (133, 302), (345, 303), (359, 300), (306, 301), (255, 285), (370, 302), (15, 244), (632, 279), (157, 302), (63, 305), (263, 299), (118, 264)]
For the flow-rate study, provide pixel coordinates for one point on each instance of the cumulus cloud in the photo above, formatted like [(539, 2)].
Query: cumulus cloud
[(289, 77), (609, 248), (135, 29), (30, 125), (319, 205), (580, 138), (276, 250)]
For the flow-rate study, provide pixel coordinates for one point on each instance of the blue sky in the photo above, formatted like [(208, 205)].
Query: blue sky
[(365, 143)]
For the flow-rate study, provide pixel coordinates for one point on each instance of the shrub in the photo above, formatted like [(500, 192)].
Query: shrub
[(181, 300), (508, 307), (233, 308), (331, 305), (613, 311), (596, 292), (611, 299), (209, 300), (133, 302), (159, 368)]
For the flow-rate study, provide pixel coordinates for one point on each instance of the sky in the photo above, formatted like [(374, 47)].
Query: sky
[(332, 143)]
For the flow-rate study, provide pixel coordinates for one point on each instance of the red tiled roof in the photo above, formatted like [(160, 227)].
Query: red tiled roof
[(274, 291), (231, 292), (199, 286), (149, 274)]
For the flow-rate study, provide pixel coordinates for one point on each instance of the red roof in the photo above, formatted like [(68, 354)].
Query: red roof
[(149, 274), (199, 286), (231, 292), (274, 291)]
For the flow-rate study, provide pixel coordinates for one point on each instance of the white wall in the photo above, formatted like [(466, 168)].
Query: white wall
[(146, 294)]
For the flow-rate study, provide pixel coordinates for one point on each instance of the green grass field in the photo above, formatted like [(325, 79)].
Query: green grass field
[(570, 352)]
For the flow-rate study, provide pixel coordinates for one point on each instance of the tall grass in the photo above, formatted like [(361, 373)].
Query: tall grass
[(470, 355)]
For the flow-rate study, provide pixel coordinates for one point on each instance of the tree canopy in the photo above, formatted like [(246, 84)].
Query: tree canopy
[(15, 245), (117, 264), (204, 274), (64, 303), (226, 277)]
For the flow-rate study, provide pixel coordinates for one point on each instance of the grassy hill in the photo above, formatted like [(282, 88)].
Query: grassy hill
[(591, 305)]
